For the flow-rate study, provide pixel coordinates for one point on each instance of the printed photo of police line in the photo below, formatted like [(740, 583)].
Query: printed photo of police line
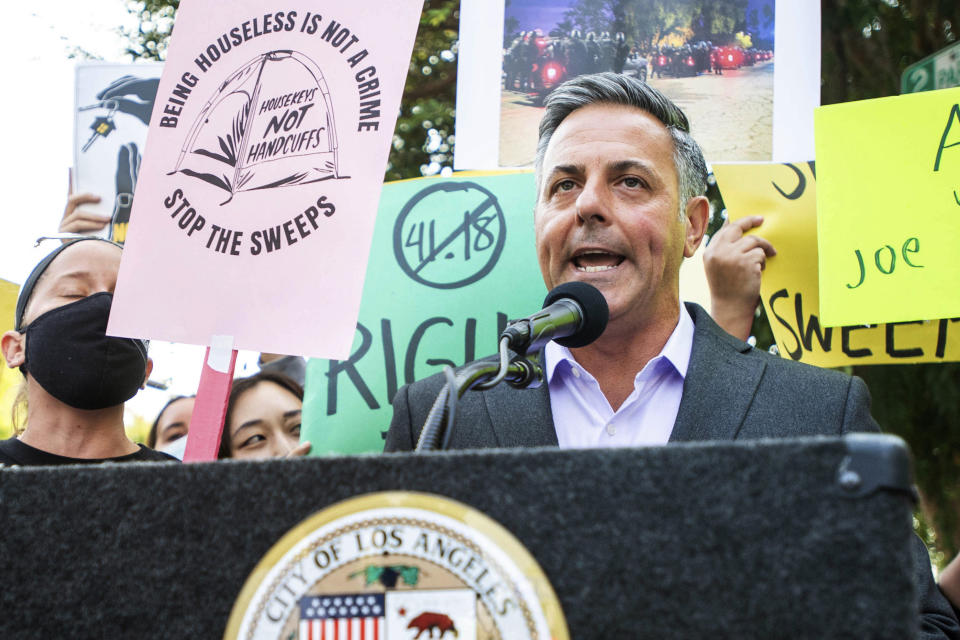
[(619, 205)]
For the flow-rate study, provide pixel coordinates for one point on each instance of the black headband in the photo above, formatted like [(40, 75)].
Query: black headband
[(27, 289)]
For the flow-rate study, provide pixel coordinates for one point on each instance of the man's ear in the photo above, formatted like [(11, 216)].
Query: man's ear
[(13, 344), (146, 376), (698, 216)]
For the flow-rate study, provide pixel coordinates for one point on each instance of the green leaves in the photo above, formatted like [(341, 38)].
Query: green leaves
[(410, 575), (388, 575), (371, 574)]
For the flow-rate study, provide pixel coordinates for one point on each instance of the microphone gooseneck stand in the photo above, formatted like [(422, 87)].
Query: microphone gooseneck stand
[(574, 314), (514, 368)]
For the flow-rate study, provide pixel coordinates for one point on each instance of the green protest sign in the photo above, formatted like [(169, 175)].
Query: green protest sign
[(452, 260)]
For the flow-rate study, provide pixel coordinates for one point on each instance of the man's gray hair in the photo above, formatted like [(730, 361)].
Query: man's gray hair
[(616, 88)]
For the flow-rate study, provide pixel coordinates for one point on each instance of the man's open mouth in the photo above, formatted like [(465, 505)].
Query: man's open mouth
[(594, 260)]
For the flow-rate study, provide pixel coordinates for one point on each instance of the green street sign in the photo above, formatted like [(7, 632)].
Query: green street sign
[(938, 71)]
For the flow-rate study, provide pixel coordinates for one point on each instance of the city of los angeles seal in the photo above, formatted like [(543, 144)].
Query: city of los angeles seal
[(397, 566)]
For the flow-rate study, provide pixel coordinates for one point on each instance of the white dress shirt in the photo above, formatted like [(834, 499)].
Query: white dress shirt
[(583, 417)]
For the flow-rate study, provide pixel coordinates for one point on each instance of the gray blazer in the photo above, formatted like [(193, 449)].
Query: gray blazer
[(731, 391)]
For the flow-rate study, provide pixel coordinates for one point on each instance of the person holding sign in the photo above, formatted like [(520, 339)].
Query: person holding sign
[(620, 204), (78, 220), (77, 377), (734, 263)]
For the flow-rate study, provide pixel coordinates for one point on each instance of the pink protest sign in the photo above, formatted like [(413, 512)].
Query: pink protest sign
[(254, 210)]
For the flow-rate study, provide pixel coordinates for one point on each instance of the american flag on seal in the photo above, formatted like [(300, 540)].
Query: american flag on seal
[(351, 616)]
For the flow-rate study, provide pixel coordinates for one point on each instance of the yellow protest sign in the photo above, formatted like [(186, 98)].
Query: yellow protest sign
[(888, 208), (9, 379), (8, 307), (693, 280), (8, 304), (785, 195)]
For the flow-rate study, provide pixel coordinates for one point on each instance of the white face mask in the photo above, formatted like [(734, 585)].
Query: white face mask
[(175, 448)]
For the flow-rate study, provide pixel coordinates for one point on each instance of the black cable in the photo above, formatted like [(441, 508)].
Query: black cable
[(504, 366), (429, 434), (450, 413)]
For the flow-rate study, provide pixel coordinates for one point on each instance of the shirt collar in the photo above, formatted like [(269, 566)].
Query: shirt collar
[(676, 351)]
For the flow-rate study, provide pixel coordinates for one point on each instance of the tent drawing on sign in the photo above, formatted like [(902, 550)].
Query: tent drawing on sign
[(269, 124)]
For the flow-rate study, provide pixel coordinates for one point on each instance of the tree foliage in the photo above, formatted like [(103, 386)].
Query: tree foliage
[(651, 23), (866, 44), (424, 139)]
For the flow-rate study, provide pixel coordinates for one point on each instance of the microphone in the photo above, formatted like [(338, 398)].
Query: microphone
[(574, 315)]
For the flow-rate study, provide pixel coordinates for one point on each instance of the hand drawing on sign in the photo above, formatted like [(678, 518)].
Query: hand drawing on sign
[(128, 167), (133, 96), (270, 124), (127, 94)]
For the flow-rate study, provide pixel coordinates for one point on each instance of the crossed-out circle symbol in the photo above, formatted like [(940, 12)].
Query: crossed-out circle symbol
[(449, 234)]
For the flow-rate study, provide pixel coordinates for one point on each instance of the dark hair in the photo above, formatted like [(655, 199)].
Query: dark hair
[(618, 89), (152, 436), (241, 386), (26, 291)]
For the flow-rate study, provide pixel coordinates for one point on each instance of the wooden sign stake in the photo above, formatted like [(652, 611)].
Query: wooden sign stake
[(213, 394)]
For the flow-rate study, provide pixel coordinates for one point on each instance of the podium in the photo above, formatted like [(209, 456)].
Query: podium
[(806, 538)]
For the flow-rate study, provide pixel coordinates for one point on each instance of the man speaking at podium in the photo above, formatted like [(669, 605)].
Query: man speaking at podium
[(620, 184)]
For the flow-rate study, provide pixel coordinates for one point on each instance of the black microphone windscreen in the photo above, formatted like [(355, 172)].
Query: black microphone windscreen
[(595, 311)]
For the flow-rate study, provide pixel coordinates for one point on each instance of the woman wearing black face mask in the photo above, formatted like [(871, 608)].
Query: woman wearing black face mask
[(77, 377)]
